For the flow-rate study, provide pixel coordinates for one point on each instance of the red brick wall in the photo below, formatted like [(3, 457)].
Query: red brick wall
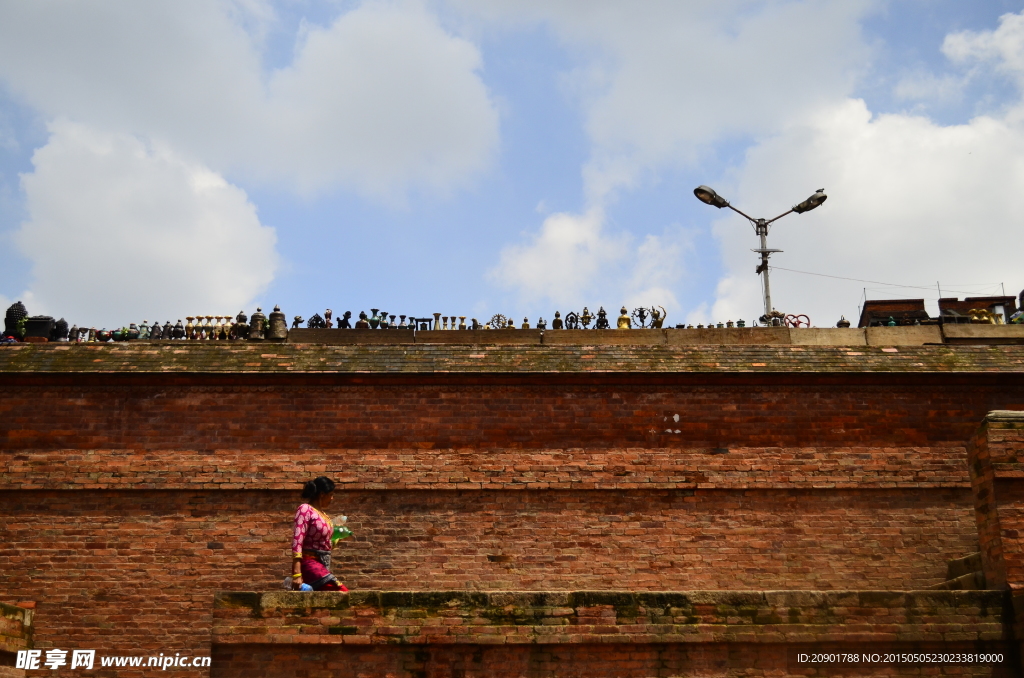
[(126, 506)]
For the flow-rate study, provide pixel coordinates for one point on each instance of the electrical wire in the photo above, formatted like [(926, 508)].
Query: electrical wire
[(873, 282)]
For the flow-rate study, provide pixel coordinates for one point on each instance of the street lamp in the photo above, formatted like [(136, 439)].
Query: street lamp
[(706, 194)]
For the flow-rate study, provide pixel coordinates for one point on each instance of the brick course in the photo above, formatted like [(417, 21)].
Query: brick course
[(293, 414)]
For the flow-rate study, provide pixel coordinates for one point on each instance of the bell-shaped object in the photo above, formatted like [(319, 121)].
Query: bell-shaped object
[(277, 328), (178, 332), (16, 312), (240, 330), (258, 325), (60, 331), (843, 322)]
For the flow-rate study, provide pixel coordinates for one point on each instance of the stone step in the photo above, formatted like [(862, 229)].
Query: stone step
[(972, 581), (961, 566)]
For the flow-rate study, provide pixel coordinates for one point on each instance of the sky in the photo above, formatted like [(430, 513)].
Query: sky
[(521, 157)]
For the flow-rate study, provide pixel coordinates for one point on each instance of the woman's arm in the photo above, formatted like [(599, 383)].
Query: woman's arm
[(299, 536)]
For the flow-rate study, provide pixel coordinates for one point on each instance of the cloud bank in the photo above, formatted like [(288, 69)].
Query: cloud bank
[(380, 101), (911, 201), (119, 231)]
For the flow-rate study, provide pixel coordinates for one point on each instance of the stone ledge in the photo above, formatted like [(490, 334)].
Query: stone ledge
[(983, 334), (528, 617), (1013, 417)]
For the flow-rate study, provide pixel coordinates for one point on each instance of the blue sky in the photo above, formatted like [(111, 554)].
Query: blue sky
[(159, 160)]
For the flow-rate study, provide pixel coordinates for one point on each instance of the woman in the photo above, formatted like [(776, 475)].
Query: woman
[(311, 544)]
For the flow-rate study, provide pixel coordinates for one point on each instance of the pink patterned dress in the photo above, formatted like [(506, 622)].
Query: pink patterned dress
[(311, 542)]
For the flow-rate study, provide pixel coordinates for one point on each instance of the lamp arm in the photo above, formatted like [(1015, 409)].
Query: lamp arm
[(779, 217), (741, 213)]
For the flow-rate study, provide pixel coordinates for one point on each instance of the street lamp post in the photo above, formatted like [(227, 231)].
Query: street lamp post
[(707, 195)]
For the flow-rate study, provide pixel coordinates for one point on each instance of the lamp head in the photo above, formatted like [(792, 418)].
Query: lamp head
[(706, 194), (812, 202)]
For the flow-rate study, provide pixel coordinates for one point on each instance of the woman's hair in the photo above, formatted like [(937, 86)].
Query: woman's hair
[(317, 487)]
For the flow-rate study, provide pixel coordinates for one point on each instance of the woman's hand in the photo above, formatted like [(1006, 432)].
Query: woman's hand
[(296, 583)]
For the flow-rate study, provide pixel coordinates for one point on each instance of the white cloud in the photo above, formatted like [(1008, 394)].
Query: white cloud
[(1003, 47), (975, 56), (118, 231), (574, 260), (657, 270), (561, 262), (921, 86), (382, 98), (910, 202), (380, 101)]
